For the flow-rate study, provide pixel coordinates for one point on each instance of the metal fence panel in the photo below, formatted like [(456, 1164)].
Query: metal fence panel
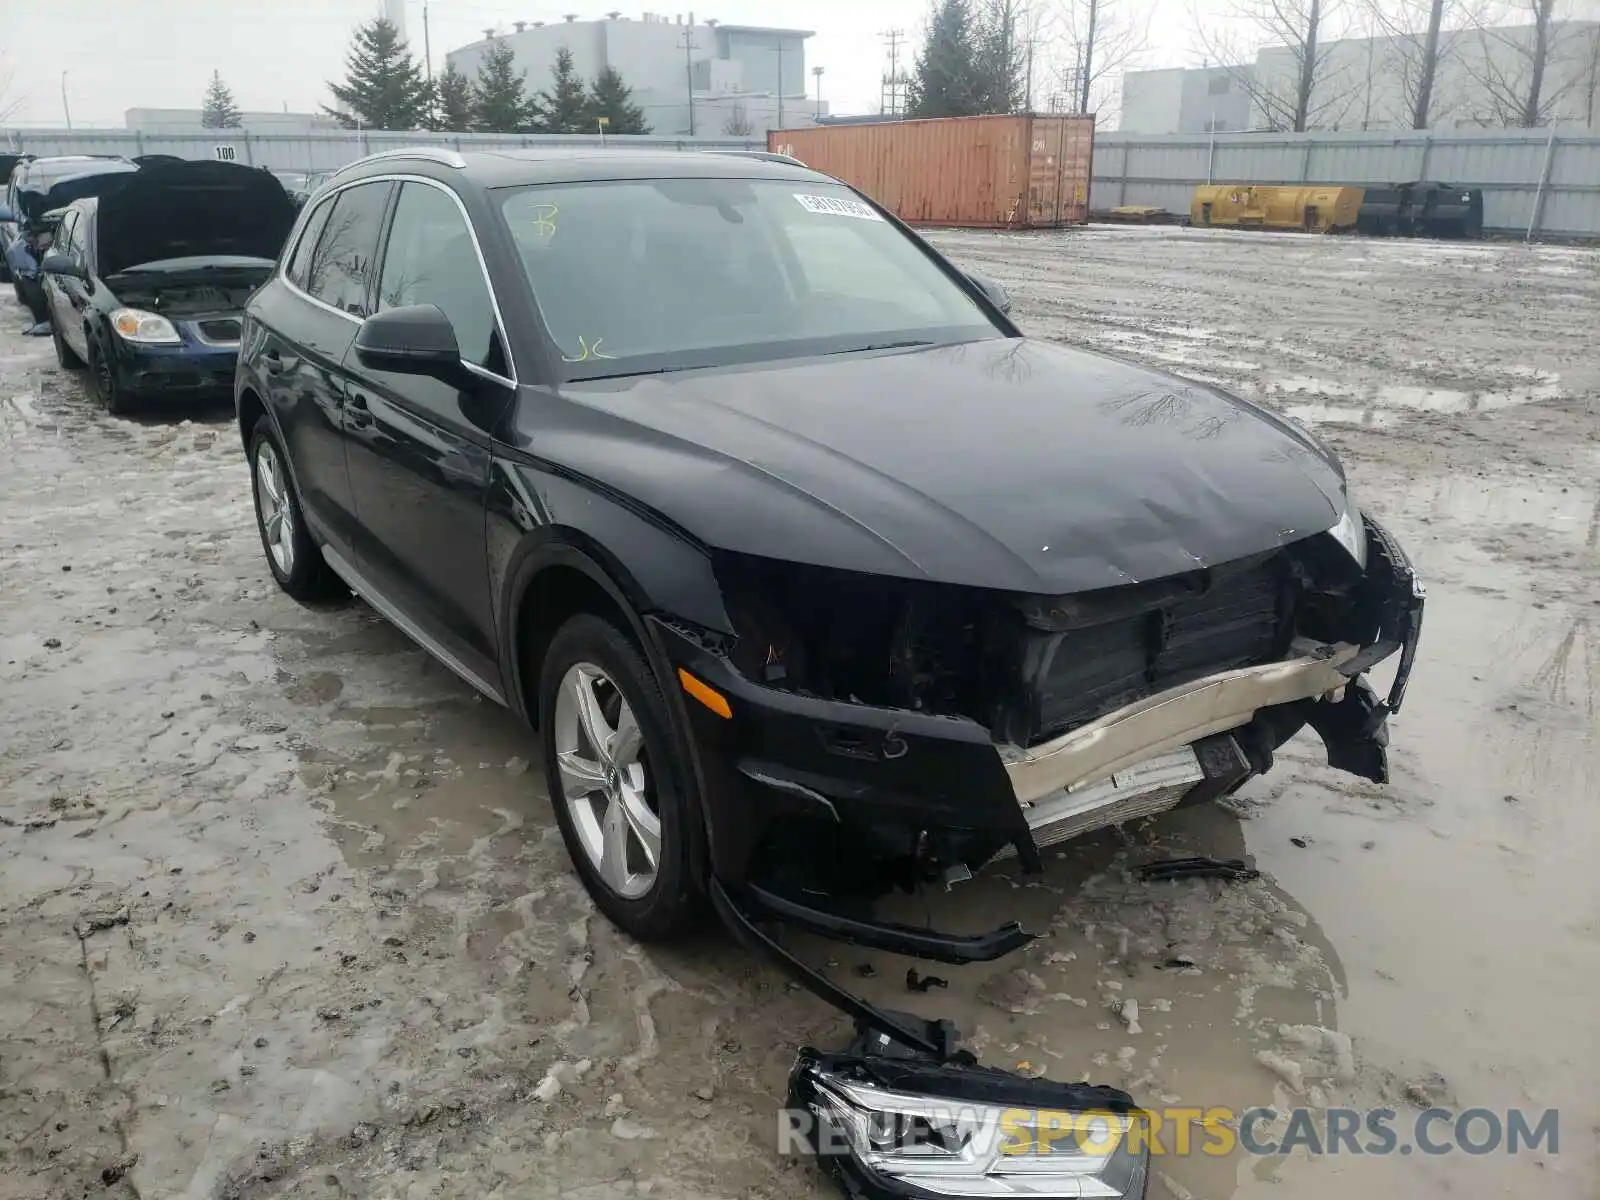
[(324, 151), (1508, 164)]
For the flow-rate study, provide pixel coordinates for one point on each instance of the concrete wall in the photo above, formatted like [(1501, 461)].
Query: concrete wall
[(1544, 176)]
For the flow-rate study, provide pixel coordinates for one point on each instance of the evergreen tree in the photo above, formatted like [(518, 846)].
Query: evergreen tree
[(384, 87), (218, 111), (1000, 58), (609, 97), (945, 80), (499, 97), (453, 103), (565, 107)]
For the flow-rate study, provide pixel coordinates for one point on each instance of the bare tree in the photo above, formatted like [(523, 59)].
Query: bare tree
[(1510, 61), (1094, 42), (1311, 96), (10, 101), (738, 123), (1416, 48)]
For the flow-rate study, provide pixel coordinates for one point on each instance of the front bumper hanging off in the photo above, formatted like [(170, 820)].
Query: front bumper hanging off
[(904, 1112)]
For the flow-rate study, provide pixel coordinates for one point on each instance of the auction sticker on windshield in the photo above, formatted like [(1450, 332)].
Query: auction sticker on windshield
[(836, 206)]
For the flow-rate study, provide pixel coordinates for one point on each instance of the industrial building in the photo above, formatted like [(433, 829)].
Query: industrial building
[(736, 75), (1367, 83)]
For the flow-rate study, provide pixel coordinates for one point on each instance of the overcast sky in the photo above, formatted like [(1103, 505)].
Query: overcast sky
[(277, 53)]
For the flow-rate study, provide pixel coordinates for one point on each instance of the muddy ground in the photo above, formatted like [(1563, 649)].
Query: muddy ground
[(283, 911)]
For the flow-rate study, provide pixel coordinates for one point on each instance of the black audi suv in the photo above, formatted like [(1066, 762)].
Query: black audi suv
[(813, 573)]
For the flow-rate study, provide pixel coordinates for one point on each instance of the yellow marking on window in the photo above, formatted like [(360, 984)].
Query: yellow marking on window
[(587, 350)]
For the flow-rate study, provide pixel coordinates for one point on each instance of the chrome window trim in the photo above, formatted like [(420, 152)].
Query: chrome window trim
[(332, 194)]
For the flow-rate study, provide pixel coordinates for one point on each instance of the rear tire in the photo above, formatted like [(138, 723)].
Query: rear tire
[(634, 791), (295, 560)]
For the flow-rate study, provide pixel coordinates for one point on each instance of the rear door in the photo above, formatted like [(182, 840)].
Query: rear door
[(308, 328), (419, 448)]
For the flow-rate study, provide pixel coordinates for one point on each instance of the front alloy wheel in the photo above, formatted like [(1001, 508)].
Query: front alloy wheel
[(619, 780), (605, 781)]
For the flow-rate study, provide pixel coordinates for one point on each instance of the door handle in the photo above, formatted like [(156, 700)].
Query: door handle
[(357, 401)]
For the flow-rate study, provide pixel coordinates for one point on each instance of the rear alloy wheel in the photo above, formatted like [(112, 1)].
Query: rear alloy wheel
[(294, 559), (103, 381), (616, 779), (65, 354)]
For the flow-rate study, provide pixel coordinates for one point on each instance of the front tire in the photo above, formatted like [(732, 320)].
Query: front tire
[(295, 560), (617, 779), (65, 354), (103, 381)]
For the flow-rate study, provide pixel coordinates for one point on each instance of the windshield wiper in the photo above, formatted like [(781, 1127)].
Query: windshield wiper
[(905, 345)]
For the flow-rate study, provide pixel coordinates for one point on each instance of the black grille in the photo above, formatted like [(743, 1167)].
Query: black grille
[(226, 330), (1072, 676)]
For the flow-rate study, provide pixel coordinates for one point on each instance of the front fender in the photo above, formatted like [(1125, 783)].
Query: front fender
[(538, 518)]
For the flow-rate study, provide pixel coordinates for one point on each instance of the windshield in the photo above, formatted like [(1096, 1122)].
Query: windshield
[(658, 274)]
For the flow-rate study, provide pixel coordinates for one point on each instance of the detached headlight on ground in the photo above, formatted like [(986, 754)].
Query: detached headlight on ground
[(144, 328), (893, 1128), (1351, 531)]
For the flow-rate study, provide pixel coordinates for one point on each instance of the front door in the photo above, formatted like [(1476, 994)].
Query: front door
[(419, 449), (308, 328), (66, 296)]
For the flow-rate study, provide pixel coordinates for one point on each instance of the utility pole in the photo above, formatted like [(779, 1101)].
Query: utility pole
[(817, 74), (65, 107), (1087, 81), (689, 48), (427, 46), (889, 98), (779, 48)]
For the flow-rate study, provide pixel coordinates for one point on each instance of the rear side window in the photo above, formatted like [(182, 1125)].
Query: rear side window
[(430, 260), (300, 264), (341, 266)]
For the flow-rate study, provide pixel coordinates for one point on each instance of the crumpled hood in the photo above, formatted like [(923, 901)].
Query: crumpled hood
[(1011, 464), (191, 210)]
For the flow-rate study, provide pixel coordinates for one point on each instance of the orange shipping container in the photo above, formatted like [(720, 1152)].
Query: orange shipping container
[(1013, 172)]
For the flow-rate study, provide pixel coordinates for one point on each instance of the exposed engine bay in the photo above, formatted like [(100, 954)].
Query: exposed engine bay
[(1171, 691)]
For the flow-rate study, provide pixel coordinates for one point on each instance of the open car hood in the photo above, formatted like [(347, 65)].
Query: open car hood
[(192, 209), (94, 180)]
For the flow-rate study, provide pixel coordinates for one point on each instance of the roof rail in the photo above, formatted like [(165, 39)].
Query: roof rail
[(438, 154), (763, 155)]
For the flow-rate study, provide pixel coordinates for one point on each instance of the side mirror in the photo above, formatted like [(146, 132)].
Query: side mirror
[(415, 340), (7, 213), (60, 263), (996, 294)]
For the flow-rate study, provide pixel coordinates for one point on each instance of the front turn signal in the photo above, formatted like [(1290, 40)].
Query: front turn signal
[(706, 694)]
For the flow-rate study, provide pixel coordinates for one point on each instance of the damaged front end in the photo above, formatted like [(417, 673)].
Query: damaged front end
[(884, 733)]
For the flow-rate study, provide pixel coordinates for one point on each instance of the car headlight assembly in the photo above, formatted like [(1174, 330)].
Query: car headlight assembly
[(144, 328), (891, 1141), (1351, 530)]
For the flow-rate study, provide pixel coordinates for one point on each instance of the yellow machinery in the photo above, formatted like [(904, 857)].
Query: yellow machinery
[(1311, 208)]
